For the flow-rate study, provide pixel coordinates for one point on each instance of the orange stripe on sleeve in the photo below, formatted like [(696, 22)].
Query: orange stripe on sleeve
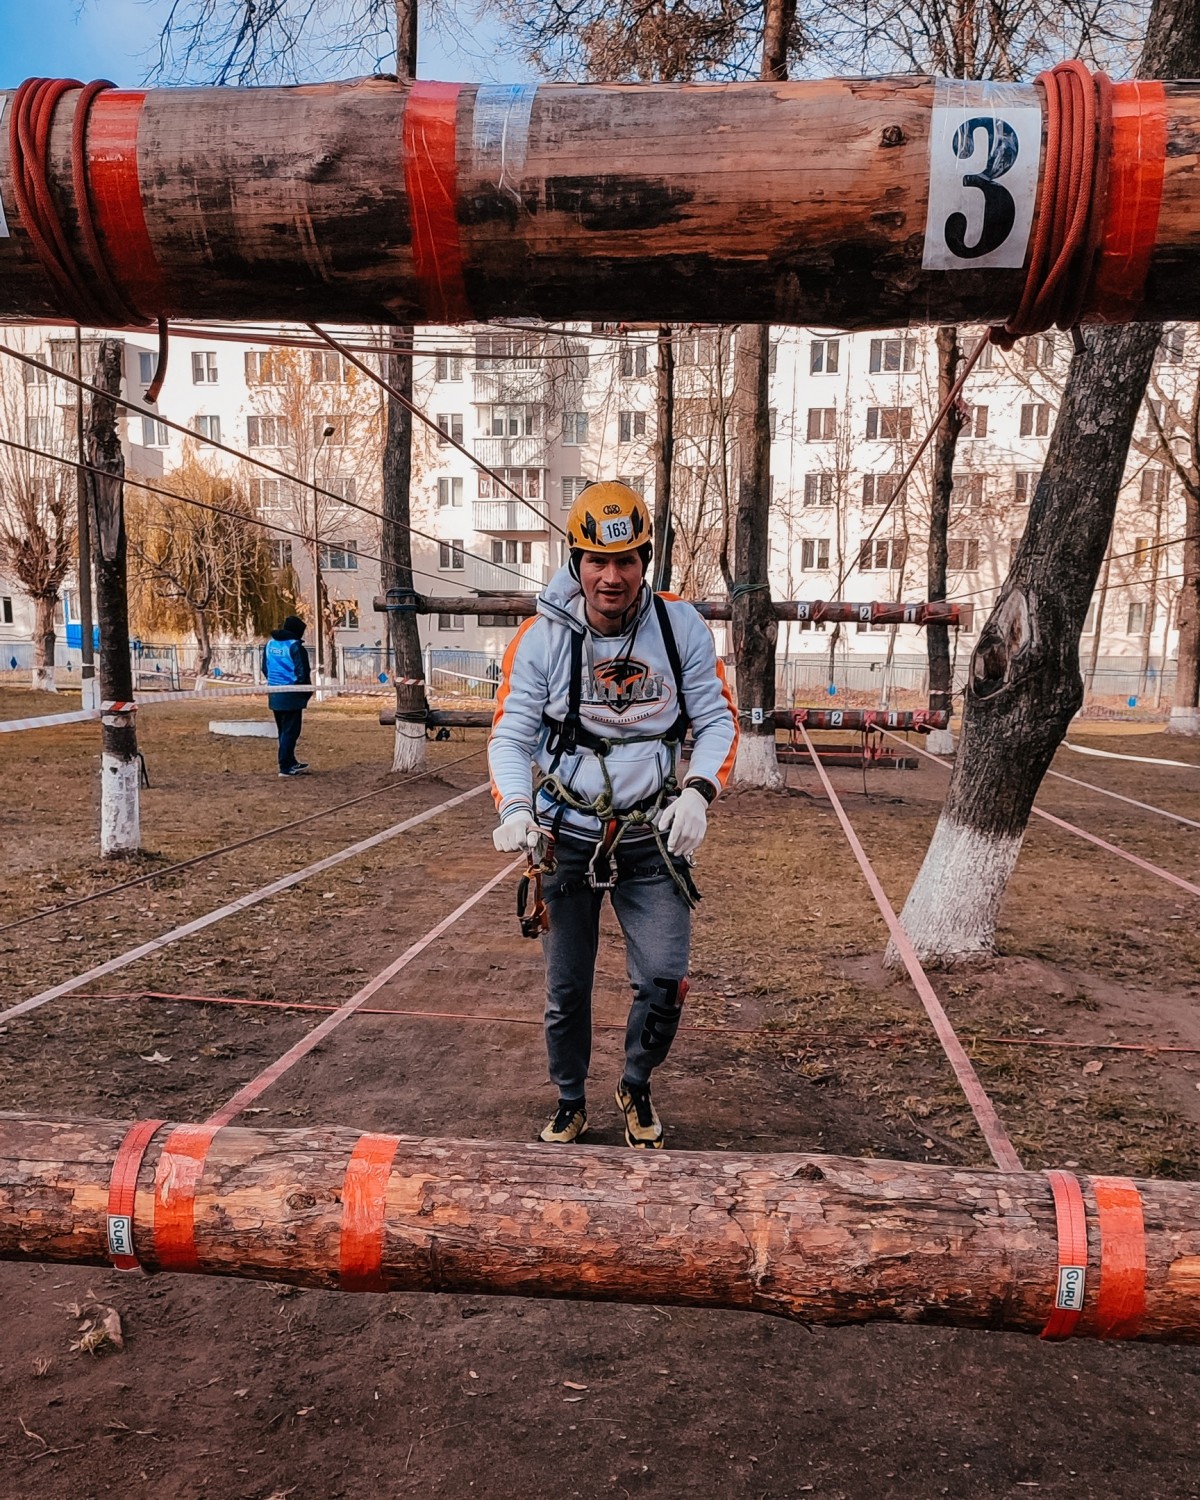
[(727, 763), (505, 687)]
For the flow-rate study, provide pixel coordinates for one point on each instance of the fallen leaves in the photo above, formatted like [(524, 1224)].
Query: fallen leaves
[(99, 1326), (156, 1056), (1093, 1067)]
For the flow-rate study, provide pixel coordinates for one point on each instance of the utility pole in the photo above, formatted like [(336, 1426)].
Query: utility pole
[(937, 640), (87, 654), (120, 822), (409, 745)]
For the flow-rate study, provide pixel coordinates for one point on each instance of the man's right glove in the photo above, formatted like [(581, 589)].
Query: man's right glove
[(685, 821), (516, 834)]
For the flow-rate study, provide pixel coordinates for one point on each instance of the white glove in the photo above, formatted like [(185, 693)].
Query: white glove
[(516, 834), (687, 820)]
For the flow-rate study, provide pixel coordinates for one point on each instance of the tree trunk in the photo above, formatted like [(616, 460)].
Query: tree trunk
[(1185, 710), (937, 635), (204, 650), (755, 627), (821, 1239), (120, 824), (1089, 681), (1024, 685), (578, 199), (43, 643), (90, 697), (411, 703), (664, 459)]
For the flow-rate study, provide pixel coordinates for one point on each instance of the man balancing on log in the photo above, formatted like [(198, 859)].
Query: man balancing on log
[(596, 693)]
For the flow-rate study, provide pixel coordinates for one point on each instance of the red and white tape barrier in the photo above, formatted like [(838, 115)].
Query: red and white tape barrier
[(243, 903)]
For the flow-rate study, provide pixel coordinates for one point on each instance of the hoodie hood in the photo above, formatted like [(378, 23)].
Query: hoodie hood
[(292, 629), (561, 601)]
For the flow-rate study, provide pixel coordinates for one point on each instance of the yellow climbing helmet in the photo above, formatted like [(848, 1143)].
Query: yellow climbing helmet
[(608, 518)]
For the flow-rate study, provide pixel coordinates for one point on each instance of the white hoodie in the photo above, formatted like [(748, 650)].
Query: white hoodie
[(627, 689)]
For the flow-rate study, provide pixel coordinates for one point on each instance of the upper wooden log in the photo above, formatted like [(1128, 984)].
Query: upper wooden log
[(822, 1239), (815, 611), (803, 203)]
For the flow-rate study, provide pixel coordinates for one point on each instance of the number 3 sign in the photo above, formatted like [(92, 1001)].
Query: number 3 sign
[(984, 149)]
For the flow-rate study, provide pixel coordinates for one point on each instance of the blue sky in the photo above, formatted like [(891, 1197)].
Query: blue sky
[(117, 39)]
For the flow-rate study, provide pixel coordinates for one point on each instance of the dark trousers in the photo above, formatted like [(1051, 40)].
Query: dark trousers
[(288, 721)]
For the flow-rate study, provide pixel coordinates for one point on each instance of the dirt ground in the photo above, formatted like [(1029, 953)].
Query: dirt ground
[(226, 1389)]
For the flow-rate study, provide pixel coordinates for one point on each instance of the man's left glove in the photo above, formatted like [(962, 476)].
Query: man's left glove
[(686, 821)]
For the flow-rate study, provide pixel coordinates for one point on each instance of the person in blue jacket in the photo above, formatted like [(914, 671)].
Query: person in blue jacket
[(285, 664)]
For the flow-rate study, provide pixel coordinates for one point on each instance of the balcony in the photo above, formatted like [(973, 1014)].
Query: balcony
[(511, 452), (507, 578), (511, 515), (505, 384)]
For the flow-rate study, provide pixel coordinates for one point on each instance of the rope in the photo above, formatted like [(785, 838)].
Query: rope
[(88, 292)]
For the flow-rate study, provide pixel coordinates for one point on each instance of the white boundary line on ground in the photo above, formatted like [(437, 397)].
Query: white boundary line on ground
[(271, 1074), (1145, 760), (252, 898)]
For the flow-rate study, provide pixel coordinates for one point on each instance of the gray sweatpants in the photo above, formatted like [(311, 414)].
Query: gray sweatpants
[(657, 926)]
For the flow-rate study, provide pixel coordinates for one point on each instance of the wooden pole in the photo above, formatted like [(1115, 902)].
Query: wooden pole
[(89, 697), (920, 720), (822, 1239), (800, 202), (835, 610)]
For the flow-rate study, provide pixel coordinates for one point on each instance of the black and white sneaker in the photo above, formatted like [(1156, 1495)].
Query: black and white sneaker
[(568, 1124)]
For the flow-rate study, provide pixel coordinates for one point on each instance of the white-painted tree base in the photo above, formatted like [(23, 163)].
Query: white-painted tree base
[(756, 763), (43, 680), (1184, 721), (951, 912), (939, 742), (120, 817), (409, 747)]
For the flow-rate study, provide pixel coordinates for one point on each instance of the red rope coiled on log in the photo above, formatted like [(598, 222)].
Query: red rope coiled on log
[(89, 291)]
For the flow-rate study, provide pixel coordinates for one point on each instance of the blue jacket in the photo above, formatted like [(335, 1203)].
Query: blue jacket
[(285, 663)]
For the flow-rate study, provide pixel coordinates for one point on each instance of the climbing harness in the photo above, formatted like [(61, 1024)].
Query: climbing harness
[(536, 921)]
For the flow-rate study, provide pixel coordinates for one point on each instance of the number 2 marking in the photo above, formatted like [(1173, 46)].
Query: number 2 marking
[(999, 210)]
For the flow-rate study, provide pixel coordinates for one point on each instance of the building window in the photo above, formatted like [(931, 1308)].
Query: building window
[(145, 369), (976, 424), (773, 357), (263, 368), (1161, 414), (818, 489), (344, 486), (889, 422), (882, 553), (1035, 419), (208, 427), (821, 423), (266, 432), (634, 362), (823, 357), (969, 490), (155, 434), (1137, 622), (889, 355), (772, 422), (451, 556), (450, 491), (35, 375), (1089, 620), (265, 494), (880, 489), (572, 487), (1155, 486), (511, 551), (635, 482), (574, 428), (508, 421), (450, 622), (962, 554), (339, 557), (1025, 483), (630, 425), (204, 367), (37, 430), (448, 367), (345, 613), (325, 367), (969, 346), (450, 427), (1039, 352), (501, 621), (6, 610), (814, 554), (1142, 551), (514, 351), (526, 482), (1170, 347), (280, 553)]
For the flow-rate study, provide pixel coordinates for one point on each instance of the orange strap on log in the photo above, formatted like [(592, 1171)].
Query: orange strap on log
[(1121, 1304), (122, 1192), (1071, 1286), (431, 185), (364, 1203), (175, 1181)]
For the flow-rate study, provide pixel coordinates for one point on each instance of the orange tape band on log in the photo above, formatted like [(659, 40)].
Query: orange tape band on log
[(1071, 1285), (1121, 1303), (1135, 185), (364, 1201), (431, 184), (175, 1181), (122, 1192), (116, 194)]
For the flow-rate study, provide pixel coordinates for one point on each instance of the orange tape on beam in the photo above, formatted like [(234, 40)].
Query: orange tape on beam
[(1121, 1303), (116, 194), (1135, 185), (1071, 1216), (364, 1200), (122, 1191), (180, 1168), (431, 183)]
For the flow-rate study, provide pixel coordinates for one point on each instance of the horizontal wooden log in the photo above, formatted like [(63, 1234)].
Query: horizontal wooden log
[(822, 1239), (921, 720), (800, 203), (814, 611)]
